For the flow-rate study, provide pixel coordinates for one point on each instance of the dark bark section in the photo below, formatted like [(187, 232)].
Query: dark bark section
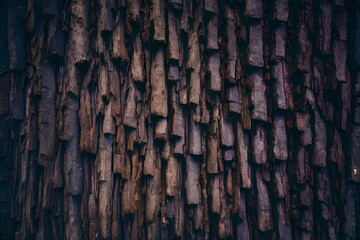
[(179, 119)]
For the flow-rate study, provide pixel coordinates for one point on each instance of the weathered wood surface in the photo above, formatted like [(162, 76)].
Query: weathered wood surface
[(179, 119)]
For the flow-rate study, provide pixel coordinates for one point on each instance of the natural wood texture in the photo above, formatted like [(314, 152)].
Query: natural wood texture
[(179, 119)]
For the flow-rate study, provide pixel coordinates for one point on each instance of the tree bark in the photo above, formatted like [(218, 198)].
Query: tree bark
[(188, 119)]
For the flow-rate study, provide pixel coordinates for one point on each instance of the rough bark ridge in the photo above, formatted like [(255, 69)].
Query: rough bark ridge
[(188, 119)]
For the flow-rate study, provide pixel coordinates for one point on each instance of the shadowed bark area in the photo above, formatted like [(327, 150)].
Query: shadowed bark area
[(180, 119)]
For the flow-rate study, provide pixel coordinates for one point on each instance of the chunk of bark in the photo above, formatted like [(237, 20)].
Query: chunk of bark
[(255, 47), (105, 158), (283, 227), (304, 49), (323, 192), (281, 10), (87, 117), (242, 151), (228, 154), (303, 124), (158, 20), (79, 34), (133, 11), (108, 123), (47, 138), (280, 42), (319, 156), (105, 208), (119, 160), (158, 85), (231, 47), (161, 129), (254, 8), (119, 50), (73, 168), (302, 121), (153, 190), (130, 118), (214, 193), (340, 55), (264, 218), (258, 97), (137, 60), (116, 230), (73, 227), (213, 154), (192, 184), (259, 144), (193, 65), (173, 37), (106, 21), (212, 34), (211, 6), (234, 100), (141, 133), (340, 23), (280, 138), (325, 28), (173, 72), (336, 151), (226, 133), (277, 72), (178, 122), (214, 72), (58, 167), (300, 164), (306, 198), (55, 39), (281, 180), (104, 85), (150, 154), (194, 138), (179, 146), (172, 178), (246, 114)]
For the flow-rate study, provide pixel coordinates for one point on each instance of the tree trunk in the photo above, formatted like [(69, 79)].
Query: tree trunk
[(189, 119)]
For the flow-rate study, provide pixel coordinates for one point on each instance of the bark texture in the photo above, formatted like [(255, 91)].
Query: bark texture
[(180, 119)]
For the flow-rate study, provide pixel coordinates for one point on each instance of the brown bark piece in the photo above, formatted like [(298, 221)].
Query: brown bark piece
[(264, 216), (281, 10), (158, 85), (258, 97), (192, 184), (280, 138), (158, 19), (254, 8), (242, 150), (259, 144), (47, 138), (214, 72), (255, 47), (319, 156), (79, 34), (137, 60)]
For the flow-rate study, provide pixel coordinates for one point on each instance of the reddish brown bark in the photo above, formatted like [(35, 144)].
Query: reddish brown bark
[(189, 119)]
